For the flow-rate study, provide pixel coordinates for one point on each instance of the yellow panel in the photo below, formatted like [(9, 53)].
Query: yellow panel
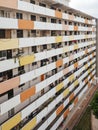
[(75, 47), (59, 39), (66, 92), (91, 62), (30, 125), (86, 36), (24, 60), (66, 49), (86, 66), (6, 44), (11, 122), (88, 71), (60, 86), (76, 83), (71, 38), (71, 77)]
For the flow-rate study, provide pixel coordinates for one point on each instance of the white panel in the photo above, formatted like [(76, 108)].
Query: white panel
[(27, 77), (50, 12), (41, 114), (59, 51), (40, 86), (43, 126), (65, 16), (8, 23), (60, 74), (65, 81), (66, 102), (40, 40), (57, 123), (40, 71), (51, 118), (40, 56), (8, 64), (51, 53), (39, 25), (51, 66), (26, 42), (51, 92), (50, 40), (71, 67), (41, 100), (71, 106), (51, 79), (66, 60), (51, 105), (25, 112), (6, 106), (59, 98), (26, 6), (65, 38), (71, 87)]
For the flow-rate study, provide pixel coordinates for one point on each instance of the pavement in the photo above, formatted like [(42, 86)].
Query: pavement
[(77, 112)]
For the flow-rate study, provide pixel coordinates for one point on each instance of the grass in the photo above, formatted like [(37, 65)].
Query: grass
[(85, 122)]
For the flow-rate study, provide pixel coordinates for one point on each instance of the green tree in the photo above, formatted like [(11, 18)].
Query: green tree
[(94, 105)]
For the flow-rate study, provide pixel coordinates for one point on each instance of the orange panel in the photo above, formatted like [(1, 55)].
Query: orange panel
[(42, 77), (86, 51), (60, 108), (58, 14), (86, 80), (71, 97), (65, 27), (9, 84), (70, 17), (76, 100), (86, 21), (76, 65), (27, 94), (89, 85), (71, 57), (66, 113), (59, 63), (93, 54), (65, 71), (75, 28), (25, 24), (9, 3), (91, 75)]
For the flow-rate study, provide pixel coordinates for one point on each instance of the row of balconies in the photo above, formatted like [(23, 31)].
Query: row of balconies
[(28, 112), (9, 23), (40, 86), (28, 59), (36, 9), (6, 44)]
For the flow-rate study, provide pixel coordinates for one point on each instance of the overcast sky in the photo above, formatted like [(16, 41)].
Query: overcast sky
[(87, 6)]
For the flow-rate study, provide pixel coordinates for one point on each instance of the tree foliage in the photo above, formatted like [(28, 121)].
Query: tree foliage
[(94, 105)]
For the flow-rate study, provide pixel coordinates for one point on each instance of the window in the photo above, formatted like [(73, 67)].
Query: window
[(3, 54), (34, 49), (53, 20), (19, 16), (32, 1), (33, 17), (43, 19), (2, 33), (41, 4), (33, 33), (21, 70), (19, 33)]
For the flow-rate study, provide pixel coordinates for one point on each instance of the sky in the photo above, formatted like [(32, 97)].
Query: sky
[(87, 6)]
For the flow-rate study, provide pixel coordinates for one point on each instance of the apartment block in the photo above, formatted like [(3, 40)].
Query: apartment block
[(47, 62)]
